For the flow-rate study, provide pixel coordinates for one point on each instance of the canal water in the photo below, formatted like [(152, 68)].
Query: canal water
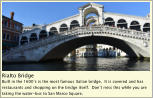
[(82, 64)]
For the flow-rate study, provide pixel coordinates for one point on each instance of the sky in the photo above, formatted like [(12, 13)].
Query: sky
[(48, 12)]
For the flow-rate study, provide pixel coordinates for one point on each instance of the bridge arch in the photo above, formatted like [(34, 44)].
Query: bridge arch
[(42, 34), (33, 37), (88, 12), (109, 21), (91, 14), (135, 25), (24, 40), (63, 27), (60, 51), (146, 27), (122, 23), (91, 20), (74, 24)]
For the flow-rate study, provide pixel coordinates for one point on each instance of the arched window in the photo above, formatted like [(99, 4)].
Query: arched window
[(74, 24), (24, 40), (53, 31), (33, 37), (122, 24), (146, 27), (43, 34), (135, 25), (109, 21), (63, 27)]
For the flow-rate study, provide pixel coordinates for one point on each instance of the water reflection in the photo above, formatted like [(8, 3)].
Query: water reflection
[(83, 64)]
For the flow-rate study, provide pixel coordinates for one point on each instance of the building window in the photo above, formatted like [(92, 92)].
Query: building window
[(12, 25), (17, 27), (14, 38), (5, 23), (4, 36), (8, 37), (17, 38)]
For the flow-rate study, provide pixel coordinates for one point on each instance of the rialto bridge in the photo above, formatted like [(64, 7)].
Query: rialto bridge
[(92, 25)]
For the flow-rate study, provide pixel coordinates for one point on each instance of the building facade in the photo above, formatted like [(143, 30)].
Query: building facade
[(98, 50), (11, 30)]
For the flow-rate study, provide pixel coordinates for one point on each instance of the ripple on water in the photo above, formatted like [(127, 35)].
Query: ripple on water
[(83, 64)]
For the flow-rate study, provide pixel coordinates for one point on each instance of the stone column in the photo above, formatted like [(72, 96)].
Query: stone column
[(28, 37), (101, 15), (141, 27), (81, 17), (128, 24), (115, 23), (28, 40), (37, 36), (20, 40), (47, 34)]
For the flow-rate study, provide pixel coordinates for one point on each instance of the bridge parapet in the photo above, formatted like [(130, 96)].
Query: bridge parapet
[(78, 31)]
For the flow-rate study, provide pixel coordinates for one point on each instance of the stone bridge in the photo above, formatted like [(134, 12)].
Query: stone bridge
[(56, 47)]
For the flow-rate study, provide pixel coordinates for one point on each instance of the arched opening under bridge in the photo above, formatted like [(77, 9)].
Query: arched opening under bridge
[(60, 51)]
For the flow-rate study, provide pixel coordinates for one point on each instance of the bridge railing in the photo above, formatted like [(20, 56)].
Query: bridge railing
[(82, 30)]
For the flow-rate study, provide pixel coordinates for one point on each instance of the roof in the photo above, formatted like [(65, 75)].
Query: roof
[(64, 19), (139, 17), (92, 4), (10, 19)]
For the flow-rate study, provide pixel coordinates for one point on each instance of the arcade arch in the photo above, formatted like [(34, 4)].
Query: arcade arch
[(43, 34), (91, 21), (63, 28), (109, 21), (146, 27), (24, 40), (122, 23), (53, 30), (33, 37), (135, 25), (74, 24)]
